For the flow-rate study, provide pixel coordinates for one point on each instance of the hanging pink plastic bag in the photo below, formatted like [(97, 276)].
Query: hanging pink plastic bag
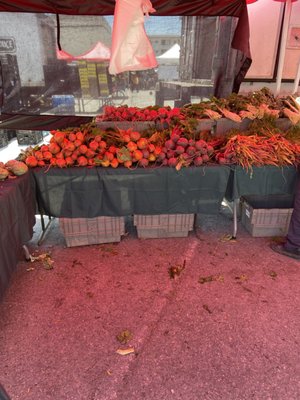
[(131, 49)]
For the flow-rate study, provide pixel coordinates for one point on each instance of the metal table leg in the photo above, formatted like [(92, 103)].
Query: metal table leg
[(44, 228)]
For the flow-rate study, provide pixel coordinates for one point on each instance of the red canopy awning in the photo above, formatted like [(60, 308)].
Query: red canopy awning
[(106, 7)]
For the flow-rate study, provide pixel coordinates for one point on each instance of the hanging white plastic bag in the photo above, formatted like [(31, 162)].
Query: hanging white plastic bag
[(131, 49)]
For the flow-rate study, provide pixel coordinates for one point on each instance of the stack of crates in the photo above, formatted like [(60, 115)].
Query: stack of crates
[(88, 231), (163, 225), (29, 138)]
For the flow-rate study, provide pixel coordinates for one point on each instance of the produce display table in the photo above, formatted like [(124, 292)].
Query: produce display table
[(93, 192), (17, 218)]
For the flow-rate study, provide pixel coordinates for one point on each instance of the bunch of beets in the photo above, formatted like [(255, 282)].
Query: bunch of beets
[(128, 148)]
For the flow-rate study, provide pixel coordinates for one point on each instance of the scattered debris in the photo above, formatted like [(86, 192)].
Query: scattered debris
[(45, 258), (124, 336), (125, 352), (211, 278), (176, 270), (241, 278), (108, 249), (76, 263), (273, 274), (30, 269), (205, 306), (228, 238)]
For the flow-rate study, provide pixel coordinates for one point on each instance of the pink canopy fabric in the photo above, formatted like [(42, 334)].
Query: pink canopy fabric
[(63, 55), (131, 48), (99, 52)]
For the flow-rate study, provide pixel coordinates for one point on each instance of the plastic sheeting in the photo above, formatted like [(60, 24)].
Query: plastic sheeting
[(131, 48)]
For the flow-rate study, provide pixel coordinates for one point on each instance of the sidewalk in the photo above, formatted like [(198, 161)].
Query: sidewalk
[(226, 328)]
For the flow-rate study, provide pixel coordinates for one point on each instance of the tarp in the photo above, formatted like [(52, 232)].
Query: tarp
[(232, 8), (106, 7)]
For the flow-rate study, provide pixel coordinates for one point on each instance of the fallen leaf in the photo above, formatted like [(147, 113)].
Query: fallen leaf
[(242, 278), (227, 238), (176, 270), (205, 279), (273, 274), (45, 258), (211, 278), (125, 352), (124, 336), (205, 306)]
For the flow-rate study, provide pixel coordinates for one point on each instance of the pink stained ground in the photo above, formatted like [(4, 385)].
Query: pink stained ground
[(236, 337)]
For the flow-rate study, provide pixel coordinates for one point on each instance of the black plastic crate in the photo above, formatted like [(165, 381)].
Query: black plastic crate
[(28, 138), (3, 138)]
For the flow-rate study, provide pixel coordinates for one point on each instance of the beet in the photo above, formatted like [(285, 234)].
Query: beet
[(31, 161), (142, 143), (72, 137), (198, 161), (161, 156), (47, 155), (170, 145), (93, 145), (59, 137), (182, 142), (82, 149), (179, 150), (61, 163), (172, 162), (143, 162), (191, 150), (3, 173), (54, 148), (39, 155), (135, 136), (82, 161), (114, 163), (80, 136), (200, 144), (205, 158)]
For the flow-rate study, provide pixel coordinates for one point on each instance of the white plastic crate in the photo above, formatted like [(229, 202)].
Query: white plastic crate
[(87, 231), (163, 225), (263, 222)]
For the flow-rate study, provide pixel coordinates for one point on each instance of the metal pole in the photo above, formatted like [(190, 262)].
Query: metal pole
[(296, 82), (285, 28)]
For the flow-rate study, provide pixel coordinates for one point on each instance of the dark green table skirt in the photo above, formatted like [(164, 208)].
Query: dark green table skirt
[(261, 181), (92, 192)]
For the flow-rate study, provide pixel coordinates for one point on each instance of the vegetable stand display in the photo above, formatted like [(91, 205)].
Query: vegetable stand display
[(17, 218)]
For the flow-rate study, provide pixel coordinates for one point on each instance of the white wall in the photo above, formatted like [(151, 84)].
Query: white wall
[(24, 29), (265, 18)]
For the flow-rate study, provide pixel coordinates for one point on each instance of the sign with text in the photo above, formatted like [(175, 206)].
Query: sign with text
[(7, 45)]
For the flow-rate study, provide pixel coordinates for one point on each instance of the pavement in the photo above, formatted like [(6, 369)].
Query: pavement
[(193, 318)]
